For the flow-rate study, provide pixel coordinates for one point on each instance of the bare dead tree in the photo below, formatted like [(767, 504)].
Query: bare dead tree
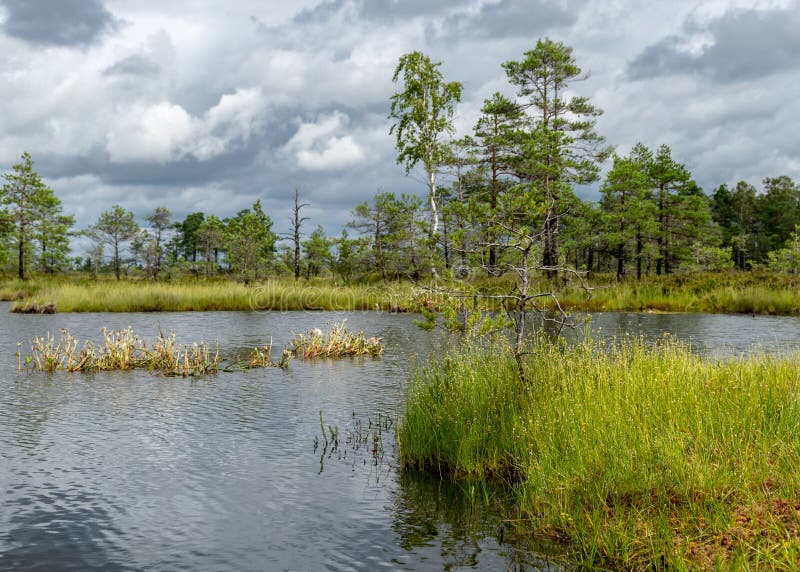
[(296, 223)]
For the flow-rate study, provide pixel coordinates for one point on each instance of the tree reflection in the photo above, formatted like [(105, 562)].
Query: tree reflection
[(468, 522)]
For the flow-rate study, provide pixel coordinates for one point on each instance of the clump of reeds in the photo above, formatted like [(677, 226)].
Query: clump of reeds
[(120, 350), (337, 342), (125, 350)]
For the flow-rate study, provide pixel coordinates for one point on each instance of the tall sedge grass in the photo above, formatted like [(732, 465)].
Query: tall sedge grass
[(634, 457), (142, 296)]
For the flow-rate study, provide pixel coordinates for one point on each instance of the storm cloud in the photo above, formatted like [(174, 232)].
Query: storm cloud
[(57, 22), (742, 45)]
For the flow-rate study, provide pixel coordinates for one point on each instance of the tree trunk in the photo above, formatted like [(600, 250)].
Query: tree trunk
[(116, 258), (434, 221), (21, 261), (639, 248)]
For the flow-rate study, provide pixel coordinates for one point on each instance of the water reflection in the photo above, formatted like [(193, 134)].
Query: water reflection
[(53, 528), (463, 523)]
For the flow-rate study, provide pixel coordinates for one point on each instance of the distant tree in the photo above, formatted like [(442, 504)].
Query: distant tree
[(52, 234), (115, 227), (5, 230), (736, 215), (346, 255), (317, 252), (405, 225), (629, 208), (27, 197), (143, 252), (373, 220), (187, 232), (210, 239), (787, 259), (779, 211), (494, 139), (423, 114), (94, 259), (250, 242), (160, 221), (682, 210)]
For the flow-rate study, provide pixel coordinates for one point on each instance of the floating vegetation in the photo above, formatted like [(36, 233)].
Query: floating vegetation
[(125, 350), (337, 342)]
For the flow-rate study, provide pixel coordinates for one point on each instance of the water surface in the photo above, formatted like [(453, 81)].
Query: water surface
[(134, 471)]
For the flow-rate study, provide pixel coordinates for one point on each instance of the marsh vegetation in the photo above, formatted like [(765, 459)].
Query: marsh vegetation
[(625, 453)]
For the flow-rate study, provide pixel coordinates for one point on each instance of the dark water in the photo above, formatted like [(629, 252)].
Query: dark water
[(133, 471)]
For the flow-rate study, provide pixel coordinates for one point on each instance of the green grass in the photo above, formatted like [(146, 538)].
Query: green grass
[(734, 292), (634, 458), (145, 296)]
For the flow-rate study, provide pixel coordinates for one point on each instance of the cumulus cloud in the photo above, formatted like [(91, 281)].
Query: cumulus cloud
[(323, 145), (57, 22), (165, 132)]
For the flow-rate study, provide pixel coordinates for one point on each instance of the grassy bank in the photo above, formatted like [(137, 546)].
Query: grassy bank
[(145, 296), (635, 458), (738, 292), (735, 292)]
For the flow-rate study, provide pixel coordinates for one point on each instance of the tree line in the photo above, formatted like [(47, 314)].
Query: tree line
[(508, 195)]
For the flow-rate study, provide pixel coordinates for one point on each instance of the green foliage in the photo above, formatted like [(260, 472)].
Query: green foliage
[(317, 252), (115, 227), (249, 242), (422, 112), (787, 259), (210, 239), (187, 231)]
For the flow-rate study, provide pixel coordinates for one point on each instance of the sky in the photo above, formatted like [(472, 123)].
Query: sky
[(208, 105)]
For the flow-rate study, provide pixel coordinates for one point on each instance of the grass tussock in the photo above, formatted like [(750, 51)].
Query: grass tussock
[(337, 342), (125, 350), (634, 457)]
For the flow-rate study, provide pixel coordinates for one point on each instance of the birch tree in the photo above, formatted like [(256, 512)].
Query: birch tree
[(423, 115)]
